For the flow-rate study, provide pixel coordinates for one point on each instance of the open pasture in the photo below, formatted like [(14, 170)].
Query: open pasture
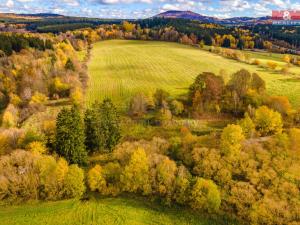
[(109, 211), (120, 68)]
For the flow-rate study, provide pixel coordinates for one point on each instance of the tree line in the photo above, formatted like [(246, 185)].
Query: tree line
[(17, 42)]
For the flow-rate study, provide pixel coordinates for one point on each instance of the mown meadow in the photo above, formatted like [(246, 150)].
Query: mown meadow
[(120, 68), (122, 210)]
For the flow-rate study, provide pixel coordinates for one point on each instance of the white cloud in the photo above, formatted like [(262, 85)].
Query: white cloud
[(10, 3)]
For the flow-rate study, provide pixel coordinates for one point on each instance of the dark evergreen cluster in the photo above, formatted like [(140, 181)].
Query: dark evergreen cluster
[(17, 42), (99, 131), (70, 136), (102, 126)]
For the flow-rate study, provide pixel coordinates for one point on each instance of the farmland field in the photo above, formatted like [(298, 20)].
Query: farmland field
[(120, 68), (102, 211)]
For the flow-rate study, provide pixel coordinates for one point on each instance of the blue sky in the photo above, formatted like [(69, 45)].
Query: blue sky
[(147, 8)]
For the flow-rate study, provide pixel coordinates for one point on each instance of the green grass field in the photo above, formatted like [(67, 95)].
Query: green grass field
[(120, 68), (109, 211)]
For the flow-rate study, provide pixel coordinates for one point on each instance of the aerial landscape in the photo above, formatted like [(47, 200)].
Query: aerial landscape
[(150, 112)]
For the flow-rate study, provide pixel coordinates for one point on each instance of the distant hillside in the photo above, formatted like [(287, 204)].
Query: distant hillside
[(247, 20), (186, 15), (175, 14), (29, 16), (44, 15)]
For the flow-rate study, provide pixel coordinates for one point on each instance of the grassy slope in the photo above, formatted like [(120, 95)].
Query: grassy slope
[(120, 68), (103, 211)]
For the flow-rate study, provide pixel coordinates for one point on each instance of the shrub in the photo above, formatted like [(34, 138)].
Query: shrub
[(182, 186), (138, 105), (96, 180), (231, 139), (27, 176), (166, 174), (27, 137), (205, 196), (36, 147), (294, 135), (247, 126), (76, 96), (267, 121), (74, 182), (135, 177), (272, 65), (10, 117), (38, 98), (177, 107), (256, 62), (280, 103)]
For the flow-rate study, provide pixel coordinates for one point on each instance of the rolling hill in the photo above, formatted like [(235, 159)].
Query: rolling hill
[(121, 68), (176, 14)]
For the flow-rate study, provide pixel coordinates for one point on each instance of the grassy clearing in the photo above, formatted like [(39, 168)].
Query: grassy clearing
[(102, 211), (120, 68)]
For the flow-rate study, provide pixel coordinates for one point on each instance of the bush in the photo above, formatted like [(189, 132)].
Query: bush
[(280, 103), (231, 139), (247, 126), (267, 121), (135, 177), (96, 180), (256, 62), (10, 117), (74, 182), (272, 65), (36, 147), (27, 176), (205, 196), (177, 107)]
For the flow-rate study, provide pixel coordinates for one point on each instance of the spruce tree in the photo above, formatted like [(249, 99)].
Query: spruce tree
[(102, 126), (109, 130), (70, 136), (91, 131)]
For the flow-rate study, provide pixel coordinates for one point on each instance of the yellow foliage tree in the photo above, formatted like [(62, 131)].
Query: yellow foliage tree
[(267, 121), (96, 179), (135, 177), (231, 139)]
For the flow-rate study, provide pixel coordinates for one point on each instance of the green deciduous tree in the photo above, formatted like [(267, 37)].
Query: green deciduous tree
[(205, 195), (247, 126), (74, 182)]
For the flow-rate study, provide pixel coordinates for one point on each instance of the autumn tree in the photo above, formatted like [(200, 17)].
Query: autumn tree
[(206, 90), (247, 126), (231, 139), (96, 179), (205, 196), (161, 97), (166, 174), (138, 105), (135, 177), (267, 121)]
